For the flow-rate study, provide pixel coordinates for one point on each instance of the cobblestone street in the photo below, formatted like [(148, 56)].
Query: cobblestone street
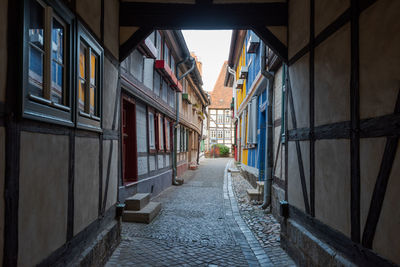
[(199, 225)]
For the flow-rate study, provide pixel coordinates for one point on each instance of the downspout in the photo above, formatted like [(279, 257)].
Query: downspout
[(200, 139), (269, 156), (176, 124)]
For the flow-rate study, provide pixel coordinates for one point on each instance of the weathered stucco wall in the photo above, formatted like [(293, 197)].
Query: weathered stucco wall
[(110, 95), (332, 59), (90, 11), (110, 167), (299, 25), (332, 183), (300, 83), (295, 192), (379, 58), (326, 11), (86, 183), (3, 48), (43, 196), (111, 26), (2, 170)]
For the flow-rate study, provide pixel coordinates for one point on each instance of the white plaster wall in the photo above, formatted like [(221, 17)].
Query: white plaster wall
[(141, 127), (109, 95), (300, 82), (152, 162), (111, 26), (86, 183), (142, 165), (299, 25), (332, 183), (90, 11), (278, 169), (379, 58), (277, 94), (43, 196), (371, 152), (387, 242), (113, 180), (2, 170), (295, 191), (160, 161), (332, 78), (326, 11), (3, 48)]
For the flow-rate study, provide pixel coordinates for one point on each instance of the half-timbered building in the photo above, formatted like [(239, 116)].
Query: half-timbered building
[(61, 132)]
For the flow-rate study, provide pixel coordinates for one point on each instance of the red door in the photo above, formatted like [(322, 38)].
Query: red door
[(129, 150)]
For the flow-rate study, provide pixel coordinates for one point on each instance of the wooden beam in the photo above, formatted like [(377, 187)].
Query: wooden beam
[(202, 15), (133, 41), (355, 124), (272, 42), (381, 183), (298, 149)]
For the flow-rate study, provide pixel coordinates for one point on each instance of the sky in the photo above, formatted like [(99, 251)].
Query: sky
[(212, 49)]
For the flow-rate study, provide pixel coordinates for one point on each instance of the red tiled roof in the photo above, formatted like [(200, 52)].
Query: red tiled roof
[(221, 96)]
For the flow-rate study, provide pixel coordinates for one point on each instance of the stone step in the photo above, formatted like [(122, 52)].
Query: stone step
[(260, 185), (145, 215), (137, 201), (255, 194)]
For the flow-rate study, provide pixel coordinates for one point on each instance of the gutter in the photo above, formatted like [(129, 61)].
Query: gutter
[(176, 124), (269, 157)]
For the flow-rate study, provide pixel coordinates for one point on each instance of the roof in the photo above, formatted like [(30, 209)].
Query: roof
[(221, 96)]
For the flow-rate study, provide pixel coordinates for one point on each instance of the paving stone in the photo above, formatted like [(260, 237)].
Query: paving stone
[(200, 225)]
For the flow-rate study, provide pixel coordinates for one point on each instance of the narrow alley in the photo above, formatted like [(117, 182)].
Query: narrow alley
[(199, 225)]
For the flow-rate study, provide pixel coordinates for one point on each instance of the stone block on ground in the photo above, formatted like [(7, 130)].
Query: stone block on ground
[(137, 201), (145, 215)]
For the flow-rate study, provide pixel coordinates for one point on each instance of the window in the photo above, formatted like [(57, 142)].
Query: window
[(152, 134), (166, 54), (158, 44), (164, 91), (220, 134), (160, 129), (227, 119), (252, 122), (220, 118), (227, 134), (212, 134), (167, 135), (47, 62), (90, 62), (173, 64)]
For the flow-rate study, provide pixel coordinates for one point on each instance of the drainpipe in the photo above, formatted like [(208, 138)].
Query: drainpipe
[(176, 124), (268, 158), (200, 139)]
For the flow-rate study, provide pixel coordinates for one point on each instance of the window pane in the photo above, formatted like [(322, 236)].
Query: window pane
[(82, 61), (57, 44), (165, 88), (151, 131), (82, 86), (93, 100), (161, 133), (93, 69), (157, 83), (35, 71), (57, 77), (36, 27)]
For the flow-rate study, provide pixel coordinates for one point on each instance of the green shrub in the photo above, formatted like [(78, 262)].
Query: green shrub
[(223, 150)]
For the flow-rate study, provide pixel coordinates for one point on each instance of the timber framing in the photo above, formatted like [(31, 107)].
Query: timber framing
[(338, 23), (298, 150), (202, 16)]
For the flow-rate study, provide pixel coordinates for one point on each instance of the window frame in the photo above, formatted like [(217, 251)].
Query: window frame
[(84, 120), (152, 111), (41, 108)]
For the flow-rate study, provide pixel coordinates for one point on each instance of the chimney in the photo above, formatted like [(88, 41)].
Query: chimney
[(198, 63)]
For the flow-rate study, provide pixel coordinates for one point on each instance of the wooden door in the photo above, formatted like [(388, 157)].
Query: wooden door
[(129, 148)]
